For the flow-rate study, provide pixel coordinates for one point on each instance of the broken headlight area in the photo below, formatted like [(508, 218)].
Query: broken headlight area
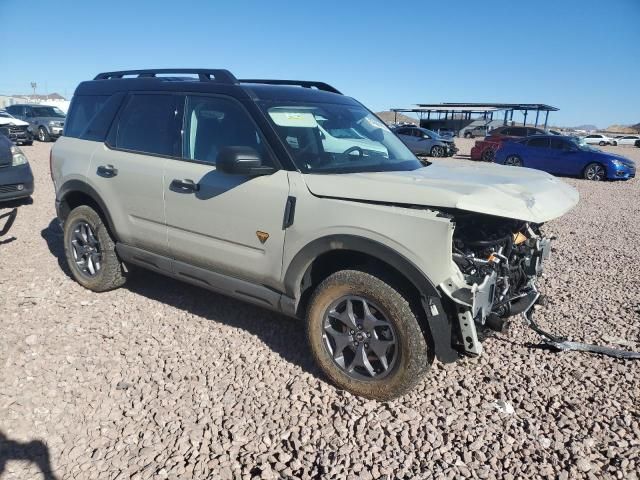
[(500, 260)]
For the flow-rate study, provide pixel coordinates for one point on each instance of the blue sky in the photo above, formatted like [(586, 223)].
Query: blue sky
[(579, 55)]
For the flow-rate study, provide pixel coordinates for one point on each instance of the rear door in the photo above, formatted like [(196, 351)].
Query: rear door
[(128, 170), (539, 154), (229, 224)]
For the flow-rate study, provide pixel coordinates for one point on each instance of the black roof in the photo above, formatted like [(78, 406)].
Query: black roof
[(210, 81)]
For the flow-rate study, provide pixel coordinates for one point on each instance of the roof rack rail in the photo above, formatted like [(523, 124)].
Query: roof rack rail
[(204, 75), (301, 83)]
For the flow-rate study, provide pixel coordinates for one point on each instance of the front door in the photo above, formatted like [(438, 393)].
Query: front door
[(230, 224)]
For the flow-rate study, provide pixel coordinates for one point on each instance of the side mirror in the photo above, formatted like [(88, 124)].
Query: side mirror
[(241, 161)]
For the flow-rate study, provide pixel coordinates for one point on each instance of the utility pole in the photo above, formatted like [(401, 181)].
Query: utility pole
[(34, 85)]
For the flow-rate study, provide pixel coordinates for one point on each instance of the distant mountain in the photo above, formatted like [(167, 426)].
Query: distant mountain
[(585, 127), (623, 128), (636, 127)]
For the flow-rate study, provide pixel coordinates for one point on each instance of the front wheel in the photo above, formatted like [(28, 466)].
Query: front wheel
[(513, 160), (595, 172), (365, 336), (437, 151), (91, 252), (468, 135), (43, 135)]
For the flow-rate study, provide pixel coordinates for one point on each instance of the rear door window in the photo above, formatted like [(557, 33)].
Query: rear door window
[(150, 123), (539, 143), (83, 110)]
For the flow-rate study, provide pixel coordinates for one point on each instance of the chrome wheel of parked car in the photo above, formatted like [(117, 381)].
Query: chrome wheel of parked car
[(86, 250), (359, 338), (595, 171), (43, 135), (437, 151), (513, 160)]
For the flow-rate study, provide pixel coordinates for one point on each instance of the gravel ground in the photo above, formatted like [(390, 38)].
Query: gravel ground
[(163, 380)]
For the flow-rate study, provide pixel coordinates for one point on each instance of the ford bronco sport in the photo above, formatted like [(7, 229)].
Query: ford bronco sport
[(233, 185)]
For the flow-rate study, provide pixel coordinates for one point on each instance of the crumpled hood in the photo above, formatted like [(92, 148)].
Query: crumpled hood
[(511, 192), (12, 121)]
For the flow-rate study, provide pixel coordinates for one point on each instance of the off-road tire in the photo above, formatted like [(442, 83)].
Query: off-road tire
[(111, 274), (43, 135), (414, 356)]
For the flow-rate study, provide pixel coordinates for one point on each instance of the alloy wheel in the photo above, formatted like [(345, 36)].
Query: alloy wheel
[(41, 134), (437, 151), (513, 160), (359, 338), (86, 250), (595, 172)]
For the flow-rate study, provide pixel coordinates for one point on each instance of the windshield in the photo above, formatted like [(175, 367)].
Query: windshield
[(48, 112), (431, 133), (337, 138), (583, 146)]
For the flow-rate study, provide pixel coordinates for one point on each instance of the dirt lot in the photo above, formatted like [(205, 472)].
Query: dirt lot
[(164, 380)]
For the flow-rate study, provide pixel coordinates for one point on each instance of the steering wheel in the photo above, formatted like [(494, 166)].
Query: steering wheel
[(349, 151)]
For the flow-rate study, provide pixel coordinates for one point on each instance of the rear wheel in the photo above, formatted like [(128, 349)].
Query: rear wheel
[(602, 144), (488, 155), (513, 160), (595, 172), (43, 135), (437, 151), (365, 336), (468, 135), (90, 251)]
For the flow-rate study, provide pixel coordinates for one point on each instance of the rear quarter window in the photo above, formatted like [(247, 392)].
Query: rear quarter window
[(82, 112)]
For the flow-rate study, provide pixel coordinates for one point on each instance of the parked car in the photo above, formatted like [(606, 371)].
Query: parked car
[(563, 156), (599, 139), (627, 139), (16, 130), (46, 121), (426, 142), (447, 133), (225, 184), (475, 131), (16, 179), (485, 149), (637, 144)]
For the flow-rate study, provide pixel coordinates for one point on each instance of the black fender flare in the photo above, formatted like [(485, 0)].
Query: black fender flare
[(75, 185), (438, 321)]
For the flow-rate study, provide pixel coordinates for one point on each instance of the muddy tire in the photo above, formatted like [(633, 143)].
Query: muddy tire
[(90, 251), (374, 348)]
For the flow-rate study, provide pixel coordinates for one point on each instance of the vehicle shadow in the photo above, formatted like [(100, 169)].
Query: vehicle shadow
[(54, 237), (283, 335), (34, 451)]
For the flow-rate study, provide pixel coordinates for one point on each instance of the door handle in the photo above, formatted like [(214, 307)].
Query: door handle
[(107, 171), (184, 186)]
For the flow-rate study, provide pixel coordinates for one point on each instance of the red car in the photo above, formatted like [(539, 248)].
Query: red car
[(485, 149)]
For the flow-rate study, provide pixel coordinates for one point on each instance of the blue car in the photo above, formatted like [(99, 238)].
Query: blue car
[(561, 155)]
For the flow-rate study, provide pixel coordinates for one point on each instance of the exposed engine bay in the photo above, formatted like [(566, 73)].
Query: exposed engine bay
[(500, 260)]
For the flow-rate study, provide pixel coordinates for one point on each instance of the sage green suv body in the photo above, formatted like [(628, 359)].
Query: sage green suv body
[(227, 184)]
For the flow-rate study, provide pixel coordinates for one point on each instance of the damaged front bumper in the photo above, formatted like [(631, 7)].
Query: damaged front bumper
[(480, 300)]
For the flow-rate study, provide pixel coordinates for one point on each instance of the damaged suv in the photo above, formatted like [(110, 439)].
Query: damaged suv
[(229, 185)]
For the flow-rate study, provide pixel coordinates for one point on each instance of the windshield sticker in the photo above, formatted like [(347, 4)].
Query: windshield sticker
[(292, 118)]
